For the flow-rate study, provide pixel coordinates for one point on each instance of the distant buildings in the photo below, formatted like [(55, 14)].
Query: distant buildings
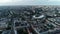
[(40, 20)]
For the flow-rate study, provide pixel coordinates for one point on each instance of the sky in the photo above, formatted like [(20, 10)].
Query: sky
[(29, 2)]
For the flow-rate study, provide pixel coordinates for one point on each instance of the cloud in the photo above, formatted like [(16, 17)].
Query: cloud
[(16, 2), (29, 2), (53, 0), (4, 1)]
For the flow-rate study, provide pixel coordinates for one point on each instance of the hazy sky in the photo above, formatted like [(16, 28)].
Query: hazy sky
[(29, 2)]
